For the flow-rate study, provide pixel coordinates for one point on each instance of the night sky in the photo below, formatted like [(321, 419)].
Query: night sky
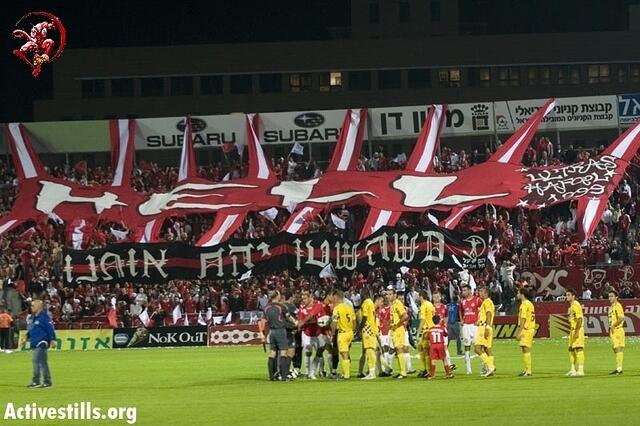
[(105, 23)]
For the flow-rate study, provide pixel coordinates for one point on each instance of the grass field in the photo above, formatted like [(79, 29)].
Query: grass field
[(228, 386)]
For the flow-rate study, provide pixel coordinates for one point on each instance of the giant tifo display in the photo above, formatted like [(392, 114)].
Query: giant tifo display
[(501, 181)]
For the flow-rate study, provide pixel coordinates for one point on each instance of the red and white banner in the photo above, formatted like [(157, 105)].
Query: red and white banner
[(123, 140), (187, 155), (501, 184), (241, 334)]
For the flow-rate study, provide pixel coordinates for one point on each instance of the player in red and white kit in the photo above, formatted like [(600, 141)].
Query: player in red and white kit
[(469, 308), (308, 315), (443, 312), (384, 322), (437, 347)]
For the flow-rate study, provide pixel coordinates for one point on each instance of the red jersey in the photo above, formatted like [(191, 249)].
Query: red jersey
[(316, 310), (436, 335), (442, 312), (328, 310), (469, 309), (384, 318)]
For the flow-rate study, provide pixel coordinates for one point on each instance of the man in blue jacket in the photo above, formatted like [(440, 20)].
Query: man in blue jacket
[(41, 337)]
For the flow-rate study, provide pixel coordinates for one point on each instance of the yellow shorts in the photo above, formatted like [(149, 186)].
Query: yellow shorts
[(617, 338), (369, 341), (397, 337), (423, 343), (526, 338), (344, 341), (576, 343), (481, 340)]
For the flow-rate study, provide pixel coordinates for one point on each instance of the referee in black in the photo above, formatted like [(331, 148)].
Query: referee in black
[(275, 315)]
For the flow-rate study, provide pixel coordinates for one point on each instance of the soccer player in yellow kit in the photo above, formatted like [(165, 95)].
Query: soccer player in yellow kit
[(576, 335), (369, 329), (526, 328), (484, 336), (427, 312), (344, 322), (616, 329), (398, 318)]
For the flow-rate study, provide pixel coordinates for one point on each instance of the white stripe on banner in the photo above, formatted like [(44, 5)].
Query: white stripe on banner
[(453, 219), (7, 225), (590, 217), (298, 221), (506, 158), (263, 169), (184, 157), (78, 235), (148, 229), (383, 219), (350, 141), (429, 148), (622, 147), (23, 154), (123, 143), (217, 237)]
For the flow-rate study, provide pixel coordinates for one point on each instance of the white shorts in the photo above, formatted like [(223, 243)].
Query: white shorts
[(323, 339), (385, 340), (468, 334), (309, 341)]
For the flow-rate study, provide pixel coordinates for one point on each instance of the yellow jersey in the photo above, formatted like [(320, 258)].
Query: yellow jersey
[(397, 313), (575, 313), (615, 313), (486, 307), (427, 311), (368, 311), (527, 313), (345, 317)]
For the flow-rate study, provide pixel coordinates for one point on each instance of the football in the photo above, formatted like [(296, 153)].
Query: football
[(324, 320)]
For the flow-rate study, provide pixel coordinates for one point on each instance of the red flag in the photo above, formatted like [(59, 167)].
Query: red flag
[(228, 147), (112, 317), (28, 234)]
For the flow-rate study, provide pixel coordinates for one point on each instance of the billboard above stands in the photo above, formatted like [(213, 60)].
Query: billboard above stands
[(301, 126), (629, 109), (208, 131), (70, 136), (321, 126), (580, 113), (406, 122)]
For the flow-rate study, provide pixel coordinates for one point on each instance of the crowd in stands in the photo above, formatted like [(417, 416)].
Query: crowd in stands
[(31, 257)]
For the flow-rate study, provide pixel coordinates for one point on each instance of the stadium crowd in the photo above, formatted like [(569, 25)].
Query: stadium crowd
[(31, 259)]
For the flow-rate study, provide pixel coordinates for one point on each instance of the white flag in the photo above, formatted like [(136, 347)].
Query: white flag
[(201, 320), (338, 222), (54, 217), (291, 207), (328, 272), (209, 314), (270, 214), (251, 230), (177, 313), (400, 158), (433, 219), (245, 276), (227, 320), (472, 283), (226, 177), (404, 270), (144, 317), (492, 257), (120, 235), (186, 319), (297, 149), (456, 261), (218, 320)]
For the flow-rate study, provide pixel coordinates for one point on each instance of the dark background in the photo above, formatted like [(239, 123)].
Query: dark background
[(102, 23)]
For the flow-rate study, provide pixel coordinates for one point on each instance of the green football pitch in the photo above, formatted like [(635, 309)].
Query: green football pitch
[(227, 385)]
